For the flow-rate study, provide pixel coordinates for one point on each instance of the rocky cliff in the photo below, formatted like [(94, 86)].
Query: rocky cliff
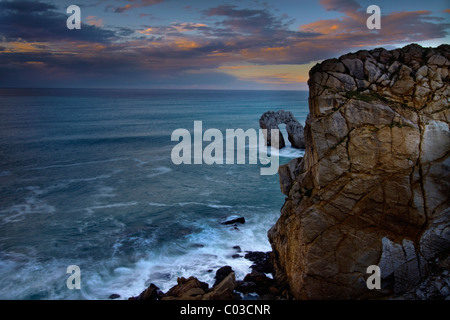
[(373, 187)]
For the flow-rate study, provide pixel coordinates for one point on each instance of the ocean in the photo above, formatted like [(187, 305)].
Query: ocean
[(86, 179)]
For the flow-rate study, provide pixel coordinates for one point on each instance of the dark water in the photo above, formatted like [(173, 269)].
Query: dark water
[(86, 178)]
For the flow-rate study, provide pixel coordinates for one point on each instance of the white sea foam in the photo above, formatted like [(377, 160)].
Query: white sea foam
[(100, 177), (286, 152), (26, 276), (202, 254), (155, 204), (140, 162), (188, 203), (219, 206), (76, 164), (32, 205), (159, 171), (105, 192), (112, 205)]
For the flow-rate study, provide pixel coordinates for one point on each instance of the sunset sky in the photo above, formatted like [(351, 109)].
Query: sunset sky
[(201, 44)]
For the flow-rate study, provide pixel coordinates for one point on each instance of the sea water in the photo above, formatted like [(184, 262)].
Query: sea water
[(86, 179)]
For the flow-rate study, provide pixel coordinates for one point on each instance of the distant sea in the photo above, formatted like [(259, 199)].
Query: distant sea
[(86, 179)]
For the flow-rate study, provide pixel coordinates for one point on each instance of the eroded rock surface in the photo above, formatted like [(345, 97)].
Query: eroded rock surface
[(373, 187), (272, 119)]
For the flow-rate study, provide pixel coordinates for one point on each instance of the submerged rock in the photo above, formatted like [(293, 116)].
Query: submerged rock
[(234, 220)]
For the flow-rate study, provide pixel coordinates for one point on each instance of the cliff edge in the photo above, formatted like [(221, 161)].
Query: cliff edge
[(373, 187)]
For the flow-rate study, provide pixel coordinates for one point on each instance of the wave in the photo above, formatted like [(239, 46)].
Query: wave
[(100, 177), (92, 141), (155, 204), (105, 192), (219, 206), (23, 274), (182, 204), (197, 254), (159, 171), (112, 205), (32, 205), (286, 152), (56, 166)]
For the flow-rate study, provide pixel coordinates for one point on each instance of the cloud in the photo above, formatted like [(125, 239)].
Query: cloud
[(350, 31), (249, 21), (269, 74), (28, 6), (226, 42), (136, 4), (39, 21), (94, 21), (346, 6)]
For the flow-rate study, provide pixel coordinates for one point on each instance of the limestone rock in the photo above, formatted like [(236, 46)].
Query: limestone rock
[(221, 274), (287, 173), (271, 119), (400, 264), (187, 289), (224, 290), (373, 186), (151, 293)]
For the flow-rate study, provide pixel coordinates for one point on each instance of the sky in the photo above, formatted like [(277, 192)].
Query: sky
[(201, 44)]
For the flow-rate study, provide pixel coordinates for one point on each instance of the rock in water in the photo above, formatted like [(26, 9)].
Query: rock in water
[(221, 274), (234, 220), (187, 289), (373, 187), (271, 119), (261, 261), (151, 293), (223, 290)]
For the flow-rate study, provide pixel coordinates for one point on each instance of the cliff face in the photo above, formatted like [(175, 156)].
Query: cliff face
[(373, 187)]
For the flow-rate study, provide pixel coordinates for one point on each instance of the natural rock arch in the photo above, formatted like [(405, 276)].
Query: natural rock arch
[(271, 119)]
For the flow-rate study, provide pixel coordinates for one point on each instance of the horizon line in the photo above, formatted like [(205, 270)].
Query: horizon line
[(186, 89)]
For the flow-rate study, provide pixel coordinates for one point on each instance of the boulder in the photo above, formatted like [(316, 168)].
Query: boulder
[(261, 261), (234, 221), (221, 274), (223, 290), (186, 289), (151, 293)]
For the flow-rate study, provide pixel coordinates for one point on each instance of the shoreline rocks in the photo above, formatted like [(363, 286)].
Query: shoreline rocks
[(225, 287)]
